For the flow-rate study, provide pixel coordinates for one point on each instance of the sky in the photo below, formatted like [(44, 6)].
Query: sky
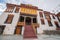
[(46, 5)]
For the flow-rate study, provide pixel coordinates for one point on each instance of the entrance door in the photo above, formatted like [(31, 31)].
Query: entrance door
[(28, 21), (18, 30), (2, 28)]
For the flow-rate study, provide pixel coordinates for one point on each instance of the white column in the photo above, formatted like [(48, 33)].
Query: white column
[(23, 26), (22, 30)]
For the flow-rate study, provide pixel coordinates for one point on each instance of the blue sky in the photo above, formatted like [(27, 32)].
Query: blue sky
[(47, 5)]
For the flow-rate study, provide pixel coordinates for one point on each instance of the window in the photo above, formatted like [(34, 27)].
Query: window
[(21, 19), (17, 9), (58, 19), (9, 19), (41, 14), (2, 28), (34, 20), (49, 22), (42, 21), (47, 16), (57, 25), (10, 9), (53, 16)]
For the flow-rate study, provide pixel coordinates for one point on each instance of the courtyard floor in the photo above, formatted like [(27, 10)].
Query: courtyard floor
[(20, 37)]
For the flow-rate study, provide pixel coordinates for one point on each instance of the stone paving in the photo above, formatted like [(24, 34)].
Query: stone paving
[(48, 37), (20, 37), (11, 37), (30, 39)]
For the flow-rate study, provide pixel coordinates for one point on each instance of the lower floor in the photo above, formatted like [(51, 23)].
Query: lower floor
[(19, 30)]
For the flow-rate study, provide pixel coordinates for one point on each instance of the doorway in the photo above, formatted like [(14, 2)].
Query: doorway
[(18, 29), (34, 20), (2, 27), (28, 21)]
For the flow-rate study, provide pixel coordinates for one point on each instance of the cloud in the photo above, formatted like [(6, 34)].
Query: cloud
[(33, 2), (49, 5), (14, 1), (2, 1), (2, 7)]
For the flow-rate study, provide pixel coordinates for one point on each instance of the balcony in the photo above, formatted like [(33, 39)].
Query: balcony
[(21, 23), (35, 24)]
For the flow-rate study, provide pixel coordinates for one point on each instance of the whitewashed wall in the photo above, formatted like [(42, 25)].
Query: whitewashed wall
[(10, 28), (45, 26)]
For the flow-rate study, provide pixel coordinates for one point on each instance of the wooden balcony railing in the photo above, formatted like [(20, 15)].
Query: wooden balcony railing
[(21, 23), (35, 24)]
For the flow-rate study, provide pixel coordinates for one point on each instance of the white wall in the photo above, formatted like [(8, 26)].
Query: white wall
[(39, 30), (10, 28)]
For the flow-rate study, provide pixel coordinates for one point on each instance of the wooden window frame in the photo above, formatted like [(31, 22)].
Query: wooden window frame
[(42, 21), (41, 14), (50, 23), (9, 19), (57, 25), (53, 16), (47, 16), (9, 9), (17, 10), (58, 19)]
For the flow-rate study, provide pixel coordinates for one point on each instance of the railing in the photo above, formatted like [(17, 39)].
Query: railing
[(35, 25), (21, 23)]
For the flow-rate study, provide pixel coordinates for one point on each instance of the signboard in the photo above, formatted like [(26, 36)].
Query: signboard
[(28, 11)]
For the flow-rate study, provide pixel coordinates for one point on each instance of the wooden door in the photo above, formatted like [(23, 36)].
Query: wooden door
[(18, 30), (2, 27)]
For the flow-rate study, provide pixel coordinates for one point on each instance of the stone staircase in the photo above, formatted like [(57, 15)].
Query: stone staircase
[(29, 32)]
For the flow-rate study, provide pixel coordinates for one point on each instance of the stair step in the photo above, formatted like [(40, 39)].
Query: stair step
[(29, 32)]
